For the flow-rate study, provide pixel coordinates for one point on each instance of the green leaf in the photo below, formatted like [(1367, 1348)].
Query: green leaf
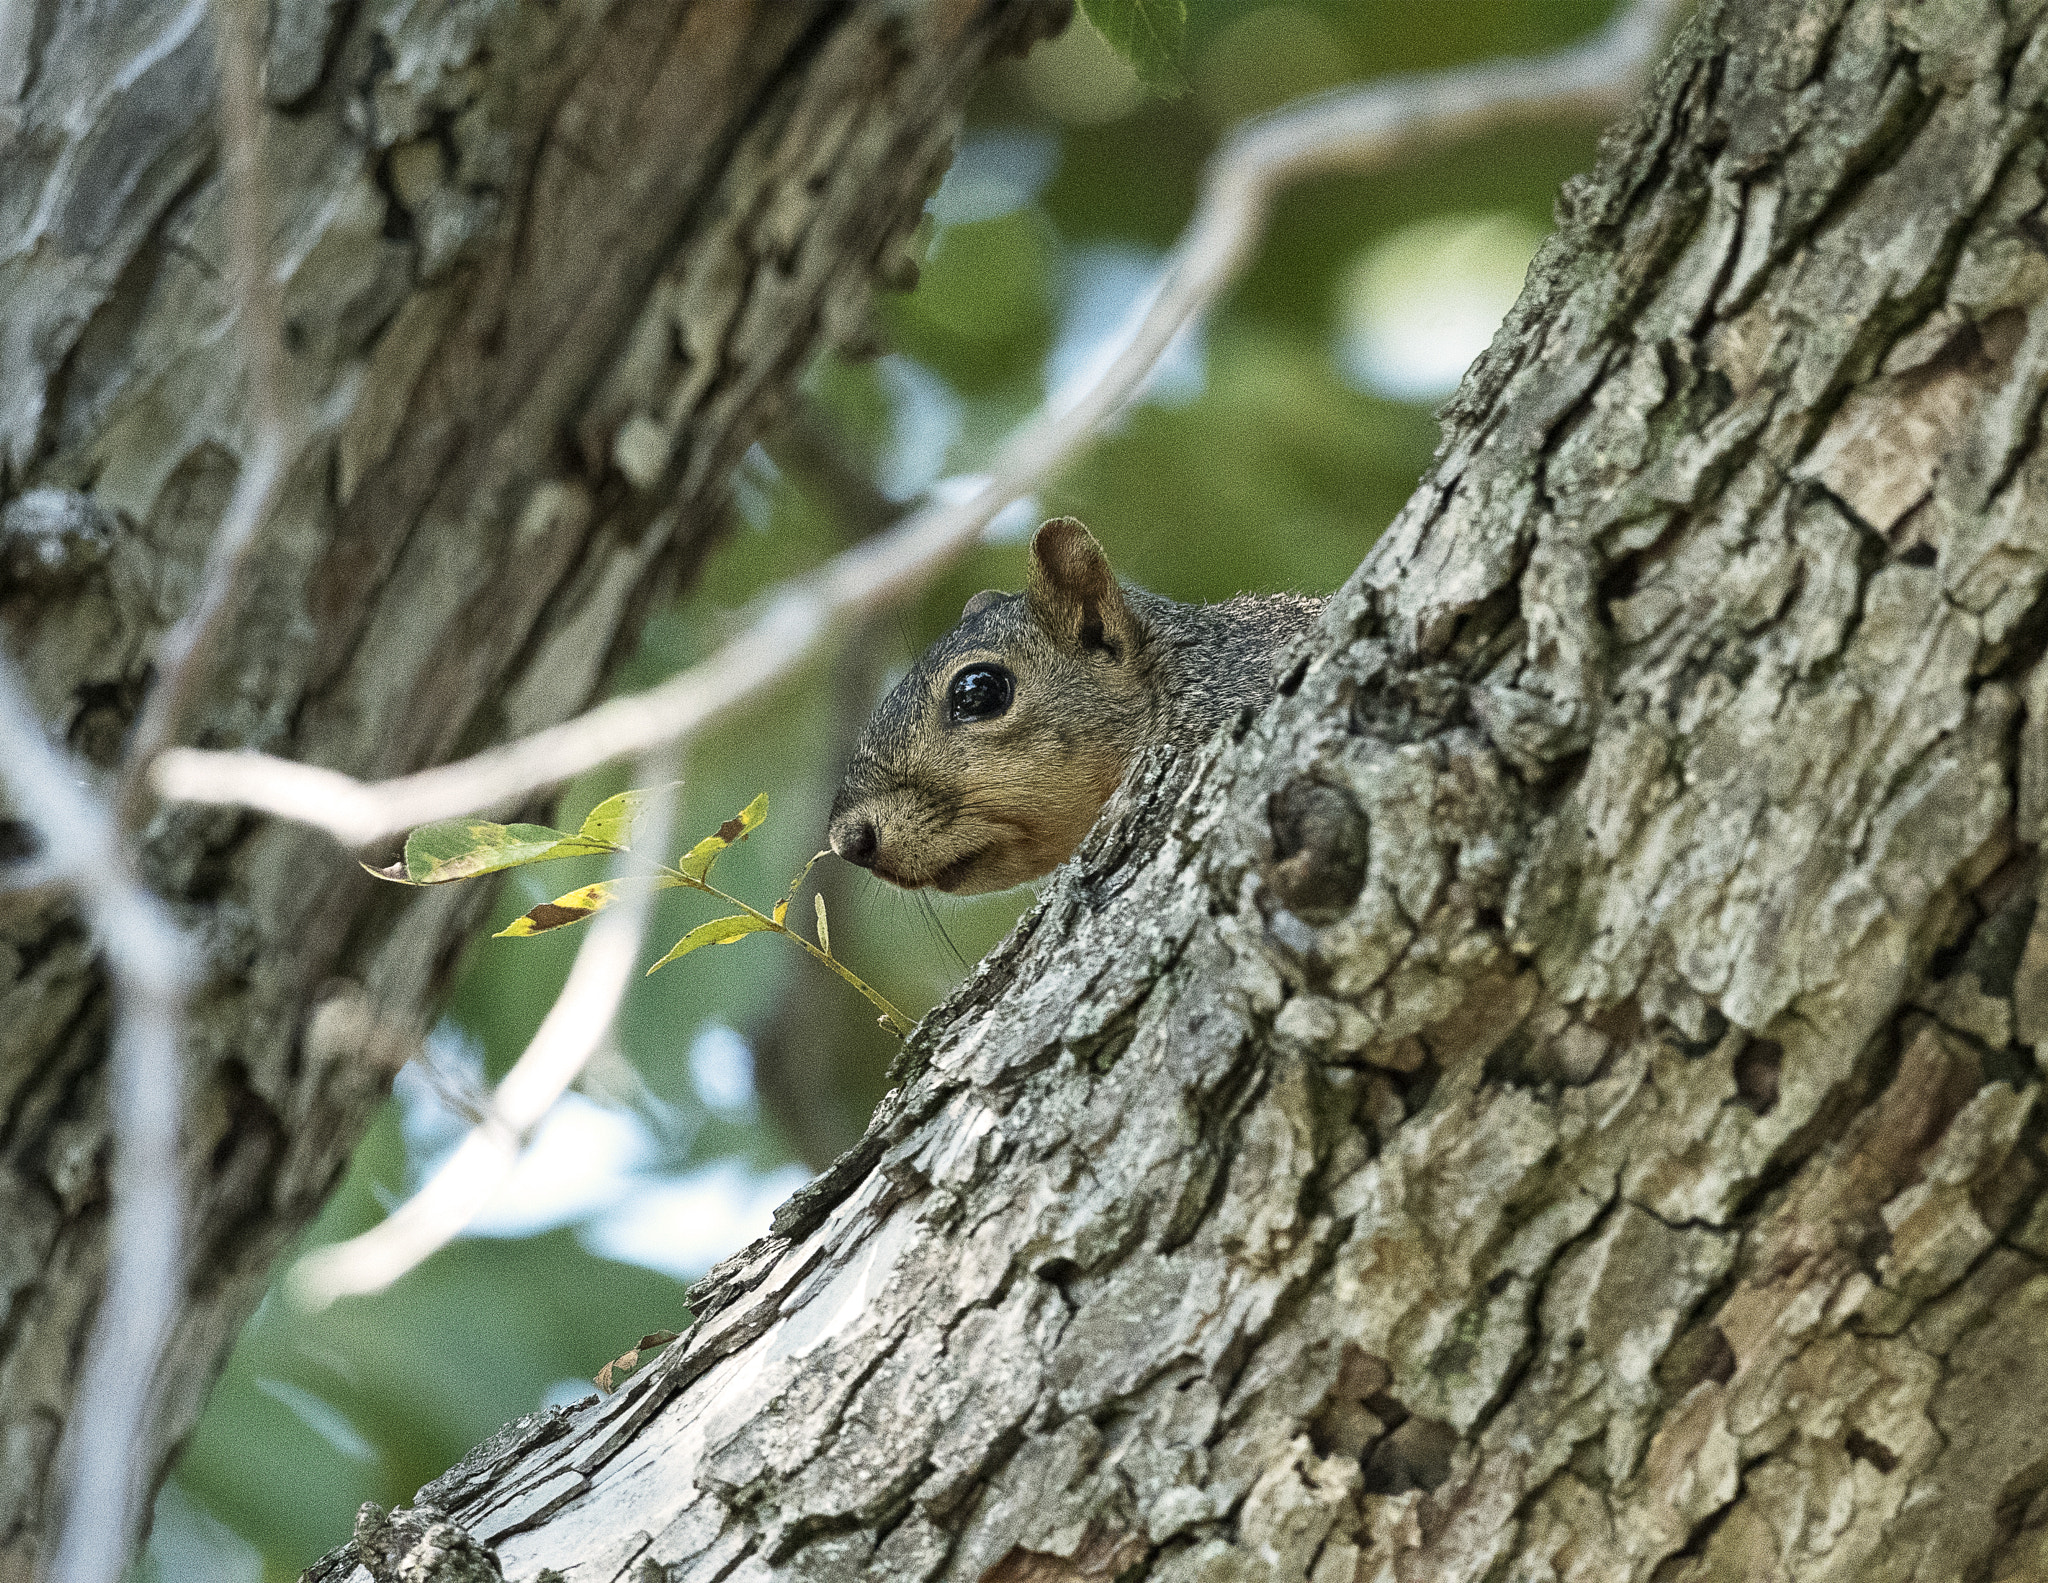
[(797, 884), (719, 931), (696, 864), (1149, 35), (611, 821), (579, 904), (464, 848)]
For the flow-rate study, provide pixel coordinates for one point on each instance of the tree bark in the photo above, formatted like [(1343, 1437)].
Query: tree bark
[(547, 270), (1556, 1096)]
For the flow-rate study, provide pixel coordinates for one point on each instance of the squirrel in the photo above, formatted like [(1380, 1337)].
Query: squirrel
[(985, 766)]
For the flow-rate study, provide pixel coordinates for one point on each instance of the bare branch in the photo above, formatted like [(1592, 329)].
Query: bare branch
[(1356, 129), (572, 1032), (108, 1434), (147, 960), (181, 660)]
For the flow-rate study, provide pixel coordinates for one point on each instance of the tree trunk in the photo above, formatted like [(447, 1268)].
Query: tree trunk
[(547, 270), (1556, 1098)]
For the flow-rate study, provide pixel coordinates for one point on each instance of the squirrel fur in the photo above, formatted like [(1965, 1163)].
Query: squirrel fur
[(985, 766)]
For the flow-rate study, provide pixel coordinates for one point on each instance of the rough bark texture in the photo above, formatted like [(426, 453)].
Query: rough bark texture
[(1557, 1098), (548, 268)]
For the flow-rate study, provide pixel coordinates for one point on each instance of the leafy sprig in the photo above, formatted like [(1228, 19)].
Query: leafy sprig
[(458, 849)]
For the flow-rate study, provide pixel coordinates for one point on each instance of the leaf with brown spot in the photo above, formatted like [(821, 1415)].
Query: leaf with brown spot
[(546, 916), (696, 864), (584, 902)]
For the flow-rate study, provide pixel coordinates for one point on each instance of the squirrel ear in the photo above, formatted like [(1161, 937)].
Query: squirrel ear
[(1074, 595), (981, 602)]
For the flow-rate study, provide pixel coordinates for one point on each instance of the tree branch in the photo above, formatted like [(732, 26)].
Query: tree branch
[(127, 413), (107, 1445), (147, 960)]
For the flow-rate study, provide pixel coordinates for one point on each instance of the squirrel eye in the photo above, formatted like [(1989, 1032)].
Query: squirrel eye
[(981, 692)]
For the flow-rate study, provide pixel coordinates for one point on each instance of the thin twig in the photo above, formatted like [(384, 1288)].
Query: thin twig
[(1354, 130), (572, 1033), (106, 1469), (182, 659), (108, 1465)]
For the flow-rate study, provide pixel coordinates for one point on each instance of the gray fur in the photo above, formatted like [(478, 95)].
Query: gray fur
[(1217, 659), (1103, 671)]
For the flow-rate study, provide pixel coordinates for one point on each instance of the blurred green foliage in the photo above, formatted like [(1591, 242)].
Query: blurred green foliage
[(1147, 35), (1254, 465)]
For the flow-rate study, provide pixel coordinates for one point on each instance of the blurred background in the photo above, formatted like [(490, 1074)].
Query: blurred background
[(1267, 454)]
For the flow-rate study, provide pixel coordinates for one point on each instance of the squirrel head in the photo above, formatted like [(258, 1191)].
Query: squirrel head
[(986, 765)]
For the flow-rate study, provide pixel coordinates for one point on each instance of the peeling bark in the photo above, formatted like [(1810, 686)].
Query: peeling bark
[(1556, 1096), (547, 270)]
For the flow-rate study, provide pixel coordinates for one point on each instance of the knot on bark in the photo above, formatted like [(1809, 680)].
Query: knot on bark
[(1321, 840)]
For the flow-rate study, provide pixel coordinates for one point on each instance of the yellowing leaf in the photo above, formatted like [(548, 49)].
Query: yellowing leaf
[(797, 884), (611, 822), (749, 819), (719, 931), (564, 910), (696, 863), (464, 848), (824, 930)]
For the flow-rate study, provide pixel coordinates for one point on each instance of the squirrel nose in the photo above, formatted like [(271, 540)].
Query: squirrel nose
[(855, 841)]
